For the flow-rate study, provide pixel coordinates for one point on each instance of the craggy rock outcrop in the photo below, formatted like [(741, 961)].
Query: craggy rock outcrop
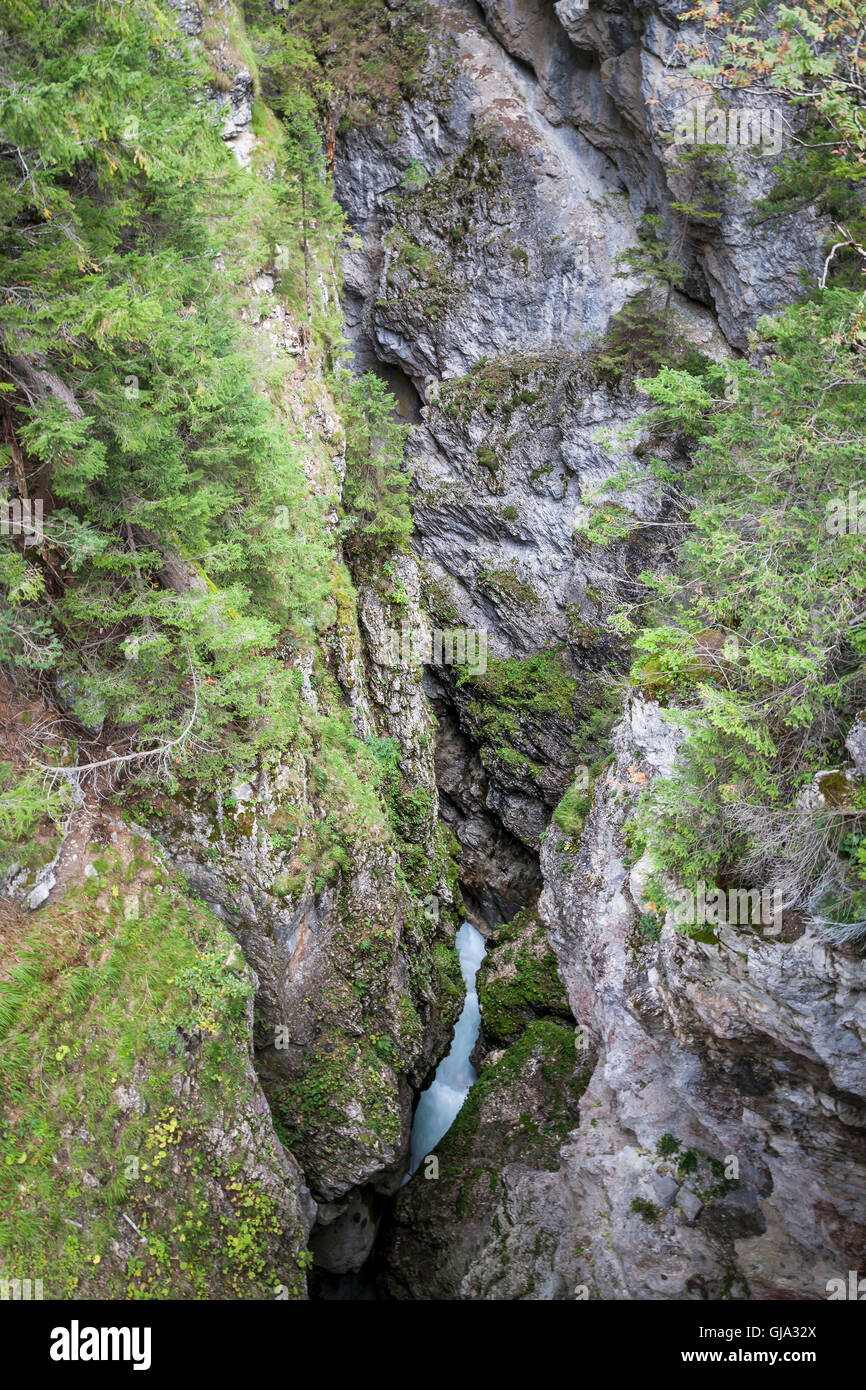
[(509, 467), (615, 73), (749, 1048), (488, 223), (449, 200), (555, 119), (498, 874), (721, 1146), (503, 467)]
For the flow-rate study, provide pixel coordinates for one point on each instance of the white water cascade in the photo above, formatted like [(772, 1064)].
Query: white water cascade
[(439, 1104)]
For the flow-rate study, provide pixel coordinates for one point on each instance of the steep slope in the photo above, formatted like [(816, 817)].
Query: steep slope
[(216, 694), (238, 827), (491, 212)]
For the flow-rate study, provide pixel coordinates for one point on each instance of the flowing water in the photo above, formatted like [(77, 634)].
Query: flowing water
[(439, 1104), (436, 1112)]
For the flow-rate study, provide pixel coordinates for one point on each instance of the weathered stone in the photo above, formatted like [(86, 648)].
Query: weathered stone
[(665, 1190), (688, 1204)]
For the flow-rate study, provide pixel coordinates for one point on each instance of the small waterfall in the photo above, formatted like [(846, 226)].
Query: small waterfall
[(439, 1104)]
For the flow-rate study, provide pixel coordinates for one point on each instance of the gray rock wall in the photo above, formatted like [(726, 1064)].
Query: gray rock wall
[(719, 1151)]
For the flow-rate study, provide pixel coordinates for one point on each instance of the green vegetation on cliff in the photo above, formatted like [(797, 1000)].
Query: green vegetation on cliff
[(354, 57), (768, 647), (517, 688), (129, 1097), (519, 981), (761, 636), (188, 564), (172, 392), (183, 543)]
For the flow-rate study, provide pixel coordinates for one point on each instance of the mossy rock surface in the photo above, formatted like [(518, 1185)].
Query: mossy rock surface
[(519, 981), (514, 1121)]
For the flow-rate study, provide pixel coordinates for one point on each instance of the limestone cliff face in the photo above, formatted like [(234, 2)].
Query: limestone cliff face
[(721, 1145), (719, 1149), (578, 107), (474, 170), (749, 1049), (491, 210), (615, 73)]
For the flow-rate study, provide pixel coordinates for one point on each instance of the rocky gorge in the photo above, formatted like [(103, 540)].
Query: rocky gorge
[(658, 1114), (572, 104)]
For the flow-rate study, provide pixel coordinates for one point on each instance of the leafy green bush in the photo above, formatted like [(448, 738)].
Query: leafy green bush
[(25, 802)]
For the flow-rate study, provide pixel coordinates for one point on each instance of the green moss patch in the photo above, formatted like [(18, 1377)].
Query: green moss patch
[(519, 981)]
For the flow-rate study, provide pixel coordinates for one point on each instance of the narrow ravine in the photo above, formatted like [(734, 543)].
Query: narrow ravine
[(496, 367), (437, 1109)]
